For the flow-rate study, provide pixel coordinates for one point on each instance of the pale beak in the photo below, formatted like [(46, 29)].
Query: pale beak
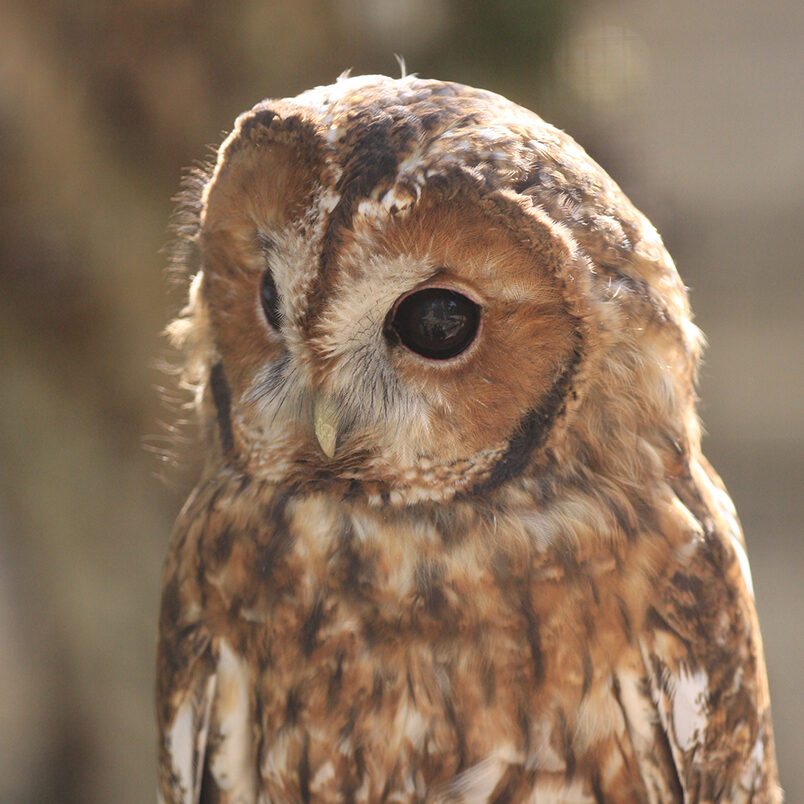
[(325, 424)]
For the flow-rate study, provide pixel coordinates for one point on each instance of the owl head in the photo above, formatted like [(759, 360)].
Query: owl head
[(411, 289)]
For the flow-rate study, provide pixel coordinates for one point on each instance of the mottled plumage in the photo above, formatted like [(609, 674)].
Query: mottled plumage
[(508, 575)]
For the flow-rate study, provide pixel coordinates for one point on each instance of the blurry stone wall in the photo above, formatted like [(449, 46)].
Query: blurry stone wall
[(695, 108)]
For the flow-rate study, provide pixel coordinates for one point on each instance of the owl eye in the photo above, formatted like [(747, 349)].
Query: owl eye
[(270, 299), (435, 322)]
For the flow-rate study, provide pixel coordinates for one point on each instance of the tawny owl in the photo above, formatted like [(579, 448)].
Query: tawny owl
[(455, 539)]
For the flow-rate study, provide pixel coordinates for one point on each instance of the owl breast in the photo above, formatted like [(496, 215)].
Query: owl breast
[(398, 657)]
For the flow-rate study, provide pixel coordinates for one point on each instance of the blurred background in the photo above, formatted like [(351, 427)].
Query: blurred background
[(697, 109)]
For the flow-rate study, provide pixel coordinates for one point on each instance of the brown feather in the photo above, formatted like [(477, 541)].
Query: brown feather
[(517, 578)]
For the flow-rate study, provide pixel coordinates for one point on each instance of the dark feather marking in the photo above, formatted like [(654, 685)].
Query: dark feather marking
[(429, 576), (588, 672), (353, 490), (293, 706), (374, 153), (348, 792), (523, 721), (532, 431), (377, 141), (625, 615), (171, 606), (624, 755), (623, 521), (374, 629), (223, 545), (235, 607), (534, 641), (336, 680), (688, 583), (221, 396), (661, 749), (449, 526), (569, 752), (261, 118), (596, 597), (173, 641), (655, 621), (589, 624), (178, 649), (360, 762), (354, 570), (210, 793), (351, 722), (529, 181), (488, 680), (304, 770), (458, 729), (201, 577), (270, 552), (533, 635), (312, 625), (213, 499), (517, 590), (377, 689), (597, 787), (386, 789), (507, 787), (411, 690)]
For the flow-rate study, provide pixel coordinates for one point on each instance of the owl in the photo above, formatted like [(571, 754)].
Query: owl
[(455, 539)]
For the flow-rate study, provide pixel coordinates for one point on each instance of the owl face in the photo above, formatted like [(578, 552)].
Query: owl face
[(396, 296)]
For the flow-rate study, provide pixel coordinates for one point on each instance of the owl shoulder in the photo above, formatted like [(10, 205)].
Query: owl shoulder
[(703, 657)]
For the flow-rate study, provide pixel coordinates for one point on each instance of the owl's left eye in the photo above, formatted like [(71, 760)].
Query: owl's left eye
[(270, 299), (437, 323)]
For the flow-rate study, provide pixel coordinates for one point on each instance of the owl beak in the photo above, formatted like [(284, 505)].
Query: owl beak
[(325, 424)]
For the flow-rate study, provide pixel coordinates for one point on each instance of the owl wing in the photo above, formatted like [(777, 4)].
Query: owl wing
[(206, 747), (206, 736), (704, 667), (184, 731)]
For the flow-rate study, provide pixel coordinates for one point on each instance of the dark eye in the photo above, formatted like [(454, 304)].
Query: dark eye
[(270, 299), (435, 322)]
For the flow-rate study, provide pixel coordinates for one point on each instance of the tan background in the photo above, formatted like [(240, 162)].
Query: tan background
[(696, 108)]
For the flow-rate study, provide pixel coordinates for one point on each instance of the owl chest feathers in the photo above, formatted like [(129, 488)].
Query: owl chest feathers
[(419, 653)]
